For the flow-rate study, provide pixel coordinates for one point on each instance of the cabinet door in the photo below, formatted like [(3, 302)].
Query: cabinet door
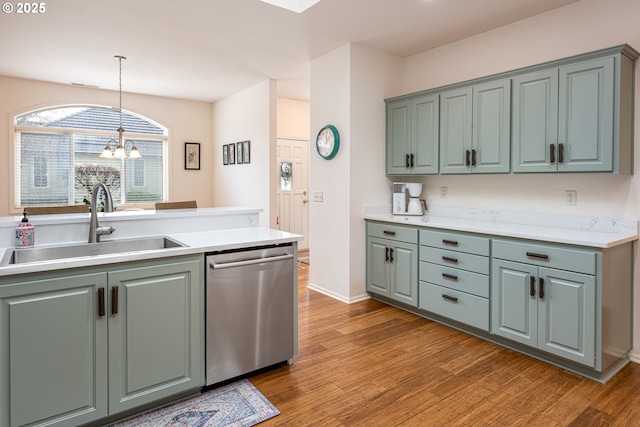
[(378, 265), (566, 315), (404, 272), (455, 131), (535, 121), (398, 136), (491, 145), (155, 333), (585, 123), (513, 308), (53, 351), (425, 134)]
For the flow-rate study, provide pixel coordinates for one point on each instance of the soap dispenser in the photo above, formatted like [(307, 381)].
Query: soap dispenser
[(25, 233)]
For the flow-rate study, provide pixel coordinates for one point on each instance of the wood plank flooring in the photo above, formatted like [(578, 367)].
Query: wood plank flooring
[(369, 364)]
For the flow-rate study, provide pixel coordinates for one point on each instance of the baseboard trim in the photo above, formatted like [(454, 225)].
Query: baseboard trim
[(338, 297), (634, 357)]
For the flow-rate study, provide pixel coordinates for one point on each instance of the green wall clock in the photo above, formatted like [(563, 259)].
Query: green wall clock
[(328, 142)]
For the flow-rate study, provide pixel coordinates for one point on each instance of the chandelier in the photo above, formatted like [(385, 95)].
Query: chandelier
[(119, 145)]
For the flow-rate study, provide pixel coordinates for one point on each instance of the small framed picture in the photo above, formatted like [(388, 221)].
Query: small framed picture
[(192, 155), (225, 154), (232, 154), (246, 151), (239, 153)]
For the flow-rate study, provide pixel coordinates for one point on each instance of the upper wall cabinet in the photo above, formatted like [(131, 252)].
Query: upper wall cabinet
[(566, 119), (412, 135), (474, 128), (570, 115)]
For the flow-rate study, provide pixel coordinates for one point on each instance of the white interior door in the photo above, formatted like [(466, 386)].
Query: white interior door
[(292, 194)]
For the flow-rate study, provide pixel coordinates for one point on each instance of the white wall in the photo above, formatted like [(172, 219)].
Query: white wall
[(348, 87), (294, 118), (580, 27), (247, 115), (188, 121)]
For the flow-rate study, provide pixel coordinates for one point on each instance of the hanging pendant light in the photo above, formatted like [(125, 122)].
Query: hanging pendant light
[(120, 152)]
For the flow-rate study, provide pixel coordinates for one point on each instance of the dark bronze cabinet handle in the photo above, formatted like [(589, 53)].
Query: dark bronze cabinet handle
[(411, 160), (449, 259), (532, 286), (535, 255), (100, 302), (449, 242), (467, 162), (389, 233), (450, 298), (114, 300), (560, 153), (541, 288), (449, 276), (406, 163), (387, 255), (473, 157), (552, 153), (391, 255)]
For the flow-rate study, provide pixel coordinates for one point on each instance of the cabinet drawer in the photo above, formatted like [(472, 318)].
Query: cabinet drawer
[(465, 281), (453, 259), (577, 260), (393, 232), (455, 305), (455, 241)]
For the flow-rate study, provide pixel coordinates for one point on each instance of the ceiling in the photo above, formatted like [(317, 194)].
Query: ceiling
[(209, 49)]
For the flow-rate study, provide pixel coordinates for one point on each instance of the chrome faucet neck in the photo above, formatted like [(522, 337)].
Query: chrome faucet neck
[(95, 231)]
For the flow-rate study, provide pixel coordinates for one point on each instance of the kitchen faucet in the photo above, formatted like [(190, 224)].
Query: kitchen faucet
[(95, 231)]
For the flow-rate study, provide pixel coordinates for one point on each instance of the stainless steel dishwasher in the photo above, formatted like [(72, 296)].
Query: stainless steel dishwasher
[(249, 310)]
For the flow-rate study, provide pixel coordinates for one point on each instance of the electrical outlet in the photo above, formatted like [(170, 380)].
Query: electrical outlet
[(444, 192), (571, 197), (317, 196)]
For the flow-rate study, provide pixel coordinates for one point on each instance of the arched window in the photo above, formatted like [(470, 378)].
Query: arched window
[(57, 157)]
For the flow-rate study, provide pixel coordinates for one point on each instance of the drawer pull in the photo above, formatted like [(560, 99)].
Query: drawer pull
[(473, 157), (100, 302), (467, 162), (389, 233), (446, 258), (541, 288), (391, 255), (387, 255), (535, 255), (552, 153), (449, 276), (449, 242), (450, 298), (411, 160), (532, 286), (407, 161)]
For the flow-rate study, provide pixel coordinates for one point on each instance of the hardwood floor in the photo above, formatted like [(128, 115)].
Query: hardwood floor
[(369, 364)]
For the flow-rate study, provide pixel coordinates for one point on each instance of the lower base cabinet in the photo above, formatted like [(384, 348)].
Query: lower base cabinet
[(78, 346)]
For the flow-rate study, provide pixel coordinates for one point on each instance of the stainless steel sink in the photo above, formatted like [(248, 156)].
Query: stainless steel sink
[(51, 253)]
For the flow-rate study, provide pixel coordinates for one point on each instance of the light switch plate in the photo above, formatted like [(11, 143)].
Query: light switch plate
[(317, 196)]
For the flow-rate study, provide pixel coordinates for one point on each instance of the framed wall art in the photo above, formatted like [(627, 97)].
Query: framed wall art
[(192, 155), (232, 154), (225, 154), (239, 157), (246, 152)]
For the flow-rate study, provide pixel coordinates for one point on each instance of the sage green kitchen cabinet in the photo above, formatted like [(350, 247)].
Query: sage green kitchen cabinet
[(392, 262), (53, 351), (80, 345), (573, 118), (155, 338), (551, 310), (475, 128), (412, 135)]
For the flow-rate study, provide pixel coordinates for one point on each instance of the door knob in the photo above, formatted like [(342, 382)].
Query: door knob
[(305, 201)]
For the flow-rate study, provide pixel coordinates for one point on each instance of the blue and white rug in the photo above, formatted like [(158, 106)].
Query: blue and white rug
[(238, 404)]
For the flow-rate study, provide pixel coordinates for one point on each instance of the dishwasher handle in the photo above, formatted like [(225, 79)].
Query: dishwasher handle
[(215, 266)]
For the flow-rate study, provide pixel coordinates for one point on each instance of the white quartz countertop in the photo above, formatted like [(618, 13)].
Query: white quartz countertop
[(594, 232), (198, 242)]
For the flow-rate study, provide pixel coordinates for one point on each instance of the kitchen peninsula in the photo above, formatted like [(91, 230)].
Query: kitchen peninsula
[(93, 338), (558, 288)]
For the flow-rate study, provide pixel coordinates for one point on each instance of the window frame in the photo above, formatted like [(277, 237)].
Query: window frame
[(15, 149)]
